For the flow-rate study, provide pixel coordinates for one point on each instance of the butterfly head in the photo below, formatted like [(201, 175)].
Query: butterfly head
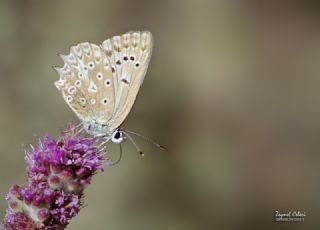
[(100, 128), (117, 136)]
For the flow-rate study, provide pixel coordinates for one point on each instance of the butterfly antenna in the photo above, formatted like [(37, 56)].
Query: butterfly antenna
[(134, 143), (149, 140)]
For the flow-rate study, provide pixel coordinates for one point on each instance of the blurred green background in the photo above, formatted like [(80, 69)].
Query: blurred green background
[(232, 90)]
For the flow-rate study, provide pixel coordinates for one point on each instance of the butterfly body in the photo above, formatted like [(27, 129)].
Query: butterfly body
[(100, 83)]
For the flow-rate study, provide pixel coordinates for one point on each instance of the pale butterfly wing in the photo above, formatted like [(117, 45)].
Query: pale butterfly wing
[(129, 55), (86, 82), (100, 84)]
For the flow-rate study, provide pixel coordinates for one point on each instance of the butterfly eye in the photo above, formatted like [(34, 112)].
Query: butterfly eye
[(99, 76), (91, 65), (117, 135), (72, 90), (132, 58), (125, 58), (104, 101), (137, 64), (83, 101), (69, 98), (78, 83), (107, 82), (118, 62)]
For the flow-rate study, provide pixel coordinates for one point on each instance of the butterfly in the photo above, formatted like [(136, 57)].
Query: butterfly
[(100, 82)]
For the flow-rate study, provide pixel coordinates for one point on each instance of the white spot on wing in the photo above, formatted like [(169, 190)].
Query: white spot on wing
[(125, 78), (107, 82), (72, 90), (83, 101), (91, 65), (59, 83), (104, 101), (69, 98), (92, 87), (80, 75), (86, 48), (78, 83), (99, 76)]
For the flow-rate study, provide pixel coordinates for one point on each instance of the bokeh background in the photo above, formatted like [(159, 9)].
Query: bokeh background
[(232, 90)]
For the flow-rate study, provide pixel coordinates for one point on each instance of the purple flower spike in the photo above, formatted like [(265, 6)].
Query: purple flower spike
[(58, 172)]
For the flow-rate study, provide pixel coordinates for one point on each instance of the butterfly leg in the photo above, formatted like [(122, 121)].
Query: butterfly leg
[(74, 129), (104, 152), (120, 156), (80, 130)]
